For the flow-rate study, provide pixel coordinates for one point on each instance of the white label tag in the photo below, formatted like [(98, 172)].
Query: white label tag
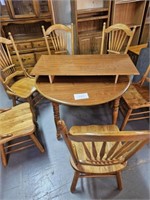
[(81, 96)]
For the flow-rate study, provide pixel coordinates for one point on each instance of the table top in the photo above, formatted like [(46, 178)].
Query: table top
[(93, 90), (137, 48), (85, 65)]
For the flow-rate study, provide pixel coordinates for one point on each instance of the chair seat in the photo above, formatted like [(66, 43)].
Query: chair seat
[(98, 169), (24, 87), (94, 129), (16, 122), (137, 97)]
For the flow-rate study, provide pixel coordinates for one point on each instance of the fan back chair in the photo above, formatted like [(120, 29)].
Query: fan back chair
[(15, 123), (119, 39), (61, 37), (135, 103), (17, 88), (101, 150)]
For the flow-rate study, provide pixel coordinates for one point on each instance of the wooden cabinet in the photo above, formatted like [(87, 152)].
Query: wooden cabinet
[(145, 34), (88, 17), (129, 12), (24, 19)]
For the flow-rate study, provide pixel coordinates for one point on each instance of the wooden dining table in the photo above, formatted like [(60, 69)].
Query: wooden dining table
[(83, 80)]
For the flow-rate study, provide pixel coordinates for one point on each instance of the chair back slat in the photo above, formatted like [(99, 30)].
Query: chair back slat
[(94, 151)]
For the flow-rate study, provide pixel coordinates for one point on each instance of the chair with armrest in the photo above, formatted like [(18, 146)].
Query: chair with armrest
[(135, 102), (18, 84), (101, 150), (61, 37), (17, 123)]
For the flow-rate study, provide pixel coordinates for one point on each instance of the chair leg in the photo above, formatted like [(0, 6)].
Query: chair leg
[(126, 119), (3, 155), (32, 108), (37, 143), (74, 181), (119, 180), (14, 100)]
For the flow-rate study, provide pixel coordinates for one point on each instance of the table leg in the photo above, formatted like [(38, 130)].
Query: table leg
[(56, 118), (116, 110)]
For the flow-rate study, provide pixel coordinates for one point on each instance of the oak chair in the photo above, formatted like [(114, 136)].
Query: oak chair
[(119, 38), (18, 84), (15, 123), (101, 150), (61, 37), (135, 103)]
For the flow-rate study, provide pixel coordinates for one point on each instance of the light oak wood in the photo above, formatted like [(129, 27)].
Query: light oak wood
[(61, 36), (136, 102), (84, 65), (17, 122), (137, 48), (101, 150), (119, 38)]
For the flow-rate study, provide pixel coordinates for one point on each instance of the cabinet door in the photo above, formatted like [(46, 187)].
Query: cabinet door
[(22, 9), (44, 7), (85, 45), (96, 44)]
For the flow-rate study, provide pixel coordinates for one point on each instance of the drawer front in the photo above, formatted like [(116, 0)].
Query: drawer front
[(27, 59), (21, 47), (38, 44)]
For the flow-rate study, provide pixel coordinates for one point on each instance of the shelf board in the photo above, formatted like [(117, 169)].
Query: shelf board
[(89, 33), (126, 1), (91, 10), (92, 18)]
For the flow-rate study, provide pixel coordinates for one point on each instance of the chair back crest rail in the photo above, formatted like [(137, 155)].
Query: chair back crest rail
[(108, 148)]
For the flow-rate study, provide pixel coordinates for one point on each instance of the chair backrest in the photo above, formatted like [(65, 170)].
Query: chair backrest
[(8, 70), (61, 37), (119, 38), (107, 148)]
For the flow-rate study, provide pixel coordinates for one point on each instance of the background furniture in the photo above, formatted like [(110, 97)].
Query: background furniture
[(83, 75), (15, 123), (130, 13), (88, 17), (101, 150), (24, 20), (145, 36), (61, 37), (136, 102), (119, 38)]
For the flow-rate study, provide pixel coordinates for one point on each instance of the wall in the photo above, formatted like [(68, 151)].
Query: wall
[(62, 11)]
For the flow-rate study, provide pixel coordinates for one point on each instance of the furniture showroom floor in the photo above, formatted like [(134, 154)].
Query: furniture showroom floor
[(31, 175)]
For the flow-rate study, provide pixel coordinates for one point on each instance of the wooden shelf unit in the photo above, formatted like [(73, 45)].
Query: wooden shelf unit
[(129, 12), (88, 18), (145, 34), (24, 19)]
